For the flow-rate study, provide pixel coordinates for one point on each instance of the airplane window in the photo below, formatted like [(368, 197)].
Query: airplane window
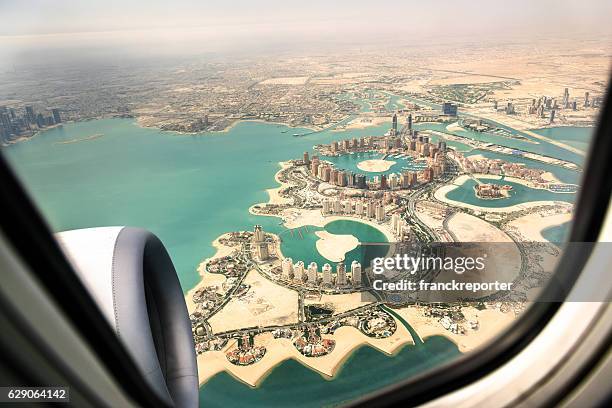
[(351, 194)]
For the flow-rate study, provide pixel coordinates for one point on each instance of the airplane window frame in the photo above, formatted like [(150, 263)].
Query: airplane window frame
[(27, 231)]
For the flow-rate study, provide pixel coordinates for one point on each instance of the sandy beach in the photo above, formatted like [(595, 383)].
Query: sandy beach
[(348, 339), (363, 122), (334, 247), (491, 322), (375, 165), (531, 226)]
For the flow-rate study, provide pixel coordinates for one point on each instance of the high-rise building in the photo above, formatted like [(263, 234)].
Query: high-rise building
[(258, 234), (449, 109), (371, 209), (340, 274), (327, 274), (394, 125), (327, 207), (261, 251), (337, 206), (298, 271), (383, 182), (356, 273), (306, 159), (586, 99), (56, 115), (359, 207), (312, 272), (40, 121), (347, 207), (334, 146), (410, 121), (380, 212), (552, 116), (30, 116), (412, 177), (287, 268), (360, 180)]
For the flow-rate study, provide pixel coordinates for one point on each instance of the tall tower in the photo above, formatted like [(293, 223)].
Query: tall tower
[(380, 212), (261, 251), (312, 273), (258, 234), (340, 274), (410, 121), (356, 273), (298, 271), (394, 127), (327, 276), (383, 182), (306, 159), (56, 115), (30, 114), (287, 268)]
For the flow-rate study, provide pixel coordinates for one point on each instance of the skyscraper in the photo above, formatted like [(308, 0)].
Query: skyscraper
[(449, 109), (30, 114), (312, 273), (306, 159), (356, 273), (394, 126), (340, 274), (380, 212), (261, 251), (258, 234), (360, 181), (383, 182), (327, 274), (56, 115), (287, 268), (298, 271), (410, 121)]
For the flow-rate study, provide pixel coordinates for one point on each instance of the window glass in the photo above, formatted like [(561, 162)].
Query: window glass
[(305, 164)]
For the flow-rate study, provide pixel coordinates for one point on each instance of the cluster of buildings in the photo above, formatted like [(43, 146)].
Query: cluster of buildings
[(378, 324), (206, 300), (367, 208), (492, 191), (311, 275), (311, 344), (499, 167), (14, 124), (414, 145), (544, 105), (259, 244), (246, 353)]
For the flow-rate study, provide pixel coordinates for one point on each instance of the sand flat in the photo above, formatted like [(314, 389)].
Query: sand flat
[(375, 165), (335, 246)]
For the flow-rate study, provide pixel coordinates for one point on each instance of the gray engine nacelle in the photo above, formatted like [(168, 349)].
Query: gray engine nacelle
[(130, 275)]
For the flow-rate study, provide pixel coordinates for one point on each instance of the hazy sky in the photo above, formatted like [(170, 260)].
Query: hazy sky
[(200, 25)]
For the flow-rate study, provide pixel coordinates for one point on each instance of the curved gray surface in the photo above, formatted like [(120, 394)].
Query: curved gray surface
[(151, 316)]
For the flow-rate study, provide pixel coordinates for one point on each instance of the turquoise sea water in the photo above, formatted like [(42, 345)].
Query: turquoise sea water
[(578, 137), (189, 190), (300, 244), (557, 233), (349, 162)]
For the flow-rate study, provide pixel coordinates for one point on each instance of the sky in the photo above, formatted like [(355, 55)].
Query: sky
[(183, 26)]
